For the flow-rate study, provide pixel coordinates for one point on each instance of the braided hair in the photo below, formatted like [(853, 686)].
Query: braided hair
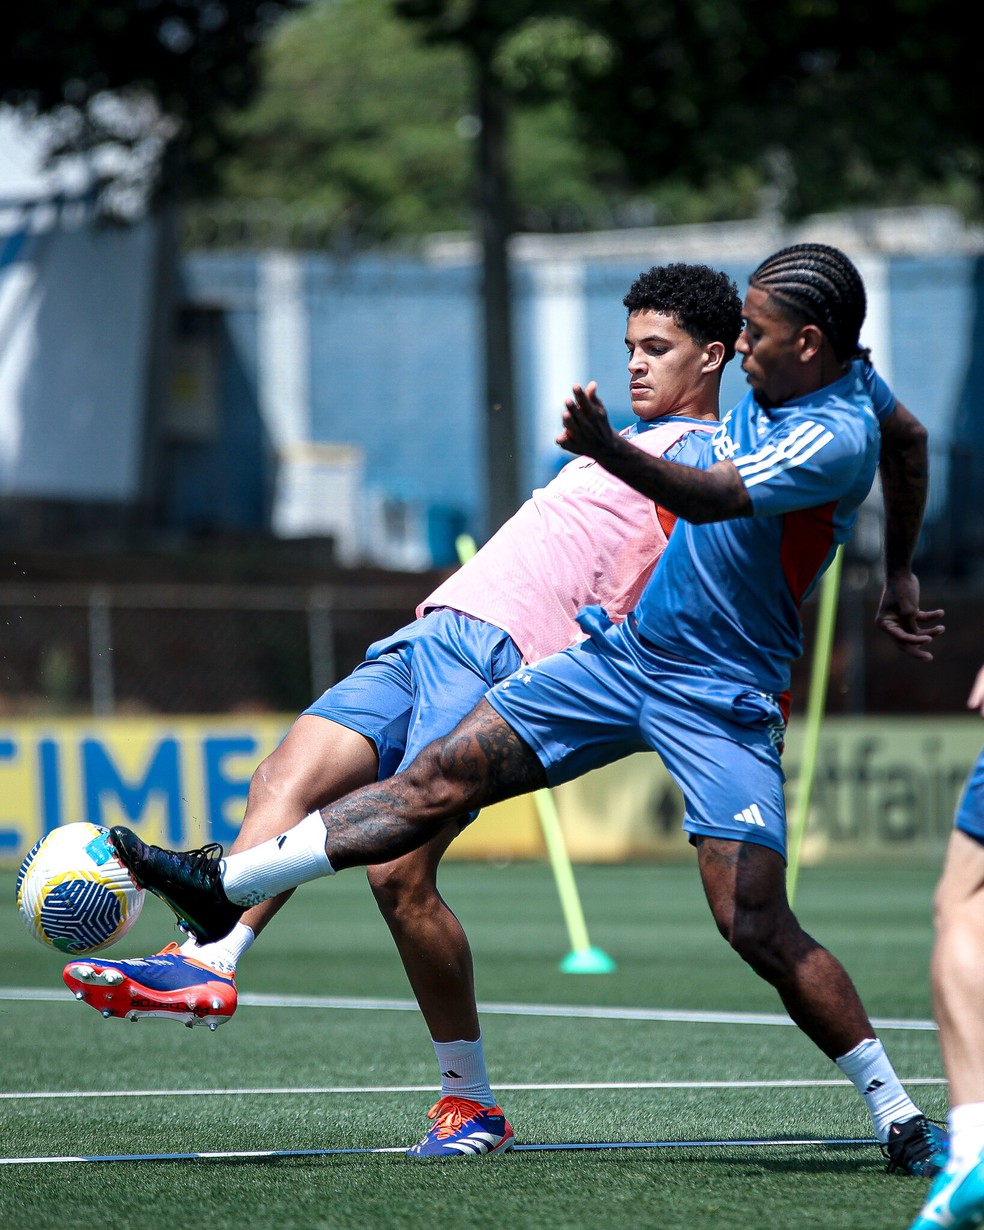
[(821, 286)]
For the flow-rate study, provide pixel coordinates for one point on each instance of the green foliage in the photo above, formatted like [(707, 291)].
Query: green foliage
[(820, 106), (358, 115), (358, 123), (540, 58), (144, 77), (365, 124), (366, 127), (829, 106)]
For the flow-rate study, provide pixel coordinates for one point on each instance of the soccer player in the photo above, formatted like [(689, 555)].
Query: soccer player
[(696, 672), (585, 538), (956, 1199)]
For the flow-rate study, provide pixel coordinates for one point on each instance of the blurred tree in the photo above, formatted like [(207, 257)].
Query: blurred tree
[(362, 130), (140, 79), (362, 127), (623, 111), (883, 107), (799, 97), (356, 126), (480, 27), (821, 105)]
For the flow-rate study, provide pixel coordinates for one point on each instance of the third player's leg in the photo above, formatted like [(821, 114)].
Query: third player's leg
[(958, 983)]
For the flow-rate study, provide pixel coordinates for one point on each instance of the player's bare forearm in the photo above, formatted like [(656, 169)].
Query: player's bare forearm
[(715, 494), (904, 468)]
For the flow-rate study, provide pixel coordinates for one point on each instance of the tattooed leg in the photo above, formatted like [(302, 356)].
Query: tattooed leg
[(483, 760)]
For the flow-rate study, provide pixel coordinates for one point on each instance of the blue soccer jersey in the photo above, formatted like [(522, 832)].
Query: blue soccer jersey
[(727, 594)]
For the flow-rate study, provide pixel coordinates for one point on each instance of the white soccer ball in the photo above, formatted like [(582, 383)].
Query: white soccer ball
[(73, 893)]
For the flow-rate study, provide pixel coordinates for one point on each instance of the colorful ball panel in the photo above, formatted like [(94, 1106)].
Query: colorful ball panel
[(73, 893)]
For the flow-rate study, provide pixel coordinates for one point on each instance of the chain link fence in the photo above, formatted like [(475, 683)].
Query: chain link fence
[(80, 649), (77, 649)]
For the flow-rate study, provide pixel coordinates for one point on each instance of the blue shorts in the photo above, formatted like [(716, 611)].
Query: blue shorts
[(417, 684), (969, 817), (615, 694)]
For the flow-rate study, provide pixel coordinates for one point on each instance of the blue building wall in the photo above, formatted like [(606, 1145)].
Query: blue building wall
[(224, 483), (932, 344), (394, 367), (395, 370)]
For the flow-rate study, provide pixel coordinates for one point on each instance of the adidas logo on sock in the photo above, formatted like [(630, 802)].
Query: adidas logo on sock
[(451, 1072), (875, 1084)]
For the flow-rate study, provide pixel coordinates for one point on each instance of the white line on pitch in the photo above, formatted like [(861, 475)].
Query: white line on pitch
[(26, 1095), (592, 1146), (581, 1012)]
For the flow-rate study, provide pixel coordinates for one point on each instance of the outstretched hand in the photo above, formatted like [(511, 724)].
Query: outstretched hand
[(900, 616), (586, 427)]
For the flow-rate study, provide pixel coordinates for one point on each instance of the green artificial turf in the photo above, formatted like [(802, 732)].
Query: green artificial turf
[(329, 1076)]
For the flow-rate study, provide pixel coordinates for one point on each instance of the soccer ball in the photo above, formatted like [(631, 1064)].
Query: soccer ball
[(73, 893)]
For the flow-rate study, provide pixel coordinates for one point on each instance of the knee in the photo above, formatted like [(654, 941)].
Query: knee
[(269, 783), (400, 889), (763, 940), (387, 883), (749, 941), (950, 904)]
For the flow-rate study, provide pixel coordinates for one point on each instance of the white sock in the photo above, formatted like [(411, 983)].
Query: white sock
[(966, 1134), (225, 954), (463, 1071), (868, 1068), (278, 864)]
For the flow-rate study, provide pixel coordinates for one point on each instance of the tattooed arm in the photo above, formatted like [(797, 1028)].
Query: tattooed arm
[(904, 468)]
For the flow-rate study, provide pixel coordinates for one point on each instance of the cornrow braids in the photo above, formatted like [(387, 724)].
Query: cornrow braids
[(823, 287)]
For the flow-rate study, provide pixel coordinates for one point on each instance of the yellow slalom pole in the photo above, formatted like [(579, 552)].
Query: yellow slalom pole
[(822, 648), (583, 958)]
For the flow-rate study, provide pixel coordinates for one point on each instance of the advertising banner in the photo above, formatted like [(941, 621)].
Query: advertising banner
[(884, 788)]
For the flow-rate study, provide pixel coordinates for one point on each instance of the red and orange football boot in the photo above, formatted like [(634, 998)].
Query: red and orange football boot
[(168, 984)]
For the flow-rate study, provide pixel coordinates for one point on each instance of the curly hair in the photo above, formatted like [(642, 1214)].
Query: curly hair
[(820, 286), (704, 302)]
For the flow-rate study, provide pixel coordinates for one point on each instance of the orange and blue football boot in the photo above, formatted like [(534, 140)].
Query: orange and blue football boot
[(464, 1129), (168, 984)]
